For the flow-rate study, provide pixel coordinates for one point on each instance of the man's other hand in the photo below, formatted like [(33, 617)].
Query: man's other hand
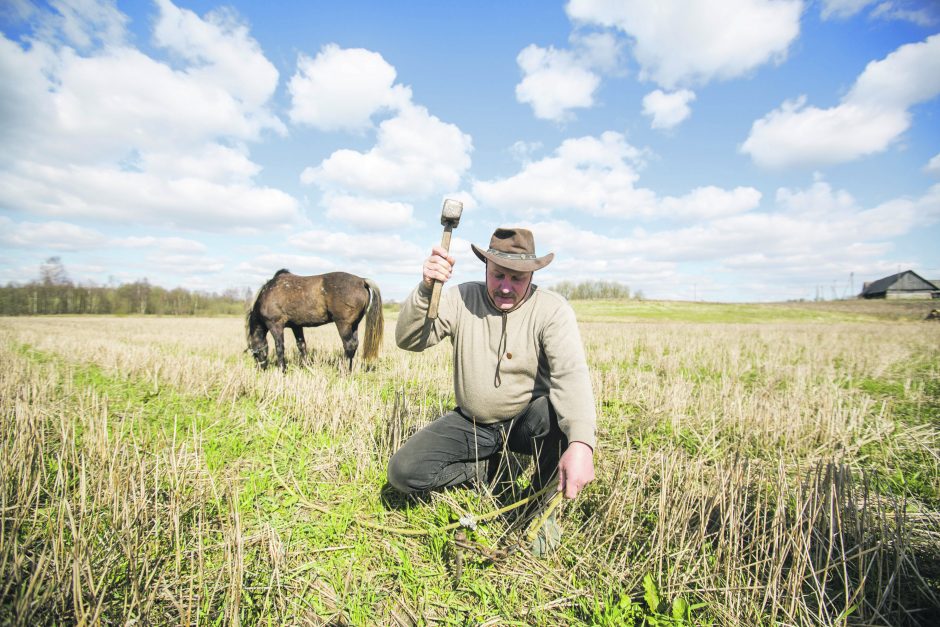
[(575, 469)]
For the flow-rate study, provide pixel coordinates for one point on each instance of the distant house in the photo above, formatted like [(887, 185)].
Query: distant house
[(907, 284)]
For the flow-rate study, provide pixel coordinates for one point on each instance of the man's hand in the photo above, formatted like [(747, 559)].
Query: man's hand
[(575, 469), (438, 266)]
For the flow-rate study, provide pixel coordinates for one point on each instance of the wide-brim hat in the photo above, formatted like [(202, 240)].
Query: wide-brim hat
[(513, 249)]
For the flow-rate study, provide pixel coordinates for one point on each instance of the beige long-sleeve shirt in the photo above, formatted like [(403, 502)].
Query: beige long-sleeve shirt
[(502, 362)]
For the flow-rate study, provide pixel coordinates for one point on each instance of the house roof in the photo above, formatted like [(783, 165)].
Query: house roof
[(907, 281)]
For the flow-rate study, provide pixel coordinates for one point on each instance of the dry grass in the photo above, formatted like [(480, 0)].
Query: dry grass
[(780, 473)]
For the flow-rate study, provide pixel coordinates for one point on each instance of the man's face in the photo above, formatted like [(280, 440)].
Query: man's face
[(506, 287)]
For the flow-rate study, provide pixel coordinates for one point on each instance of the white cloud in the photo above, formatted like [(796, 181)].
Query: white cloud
[(809, 233), (797, 135), (341, 89), (926, 16), (667, 110), (678, 42), (113, 134), (522, 151), (221, 53), (933, 166), (908, 76), (841, 9), (915, 11), (590, 174), (387, 247), (556, 81), (709, 202), (872, 115), (369, 255), (187, 265), (211, 162), (598, 176), (121, 100), (111, 194), (83, 23), (166, 245), (263, 267), (415, 155), (369, 214), (817, 202), (49, 235), (154, 255), (24, 106)]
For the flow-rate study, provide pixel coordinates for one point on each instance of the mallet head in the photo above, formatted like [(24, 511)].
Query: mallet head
[(450, 214)]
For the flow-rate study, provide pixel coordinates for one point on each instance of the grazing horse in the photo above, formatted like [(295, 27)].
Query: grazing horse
[(293, 301)]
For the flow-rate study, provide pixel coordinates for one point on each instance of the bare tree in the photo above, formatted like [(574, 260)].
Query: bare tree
[(52, 272)]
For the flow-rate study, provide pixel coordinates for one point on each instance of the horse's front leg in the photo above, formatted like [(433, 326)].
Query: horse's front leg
[(301, 342), (278, 333)]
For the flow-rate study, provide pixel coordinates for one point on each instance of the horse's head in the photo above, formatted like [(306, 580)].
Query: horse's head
[(258, 347), (257, 335)]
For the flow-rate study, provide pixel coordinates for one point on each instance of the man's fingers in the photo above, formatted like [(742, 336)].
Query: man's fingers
[(436, 268), (569, 486), (571, 490)]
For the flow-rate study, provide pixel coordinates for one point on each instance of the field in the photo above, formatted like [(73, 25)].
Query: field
[(757, 465)]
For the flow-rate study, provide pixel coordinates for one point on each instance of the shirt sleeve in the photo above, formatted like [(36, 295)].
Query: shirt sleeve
[(570, 381), (414, 331)]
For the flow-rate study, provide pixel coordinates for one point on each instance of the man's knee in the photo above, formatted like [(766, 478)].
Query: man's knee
[(540, 420), (404, 474)]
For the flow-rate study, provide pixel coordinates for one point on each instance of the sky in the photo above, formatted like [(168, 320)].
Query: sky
[(716, 150)]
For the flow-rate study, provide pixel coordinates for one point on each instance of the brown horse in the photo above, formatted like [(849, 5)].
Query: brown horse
[(292, 301)]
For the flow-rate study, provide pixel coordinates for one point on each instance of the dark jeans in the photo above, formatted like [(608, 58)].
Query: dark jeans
[(452, 450)]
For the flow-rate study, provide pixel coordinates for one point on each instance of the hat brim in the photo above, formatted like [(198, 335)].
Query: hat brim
[(519, 265)]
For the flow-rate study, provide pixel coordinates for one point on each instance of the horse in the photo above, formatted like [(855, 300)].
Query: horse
[(294, 301)]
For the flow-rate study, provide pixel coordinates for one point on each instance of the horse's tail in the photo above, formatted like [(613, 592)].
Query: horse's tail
[(375, 323), (254, 319)]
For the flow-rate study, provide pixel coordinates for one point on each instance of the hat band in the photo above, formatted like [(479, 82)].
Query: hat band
[(516, 256)]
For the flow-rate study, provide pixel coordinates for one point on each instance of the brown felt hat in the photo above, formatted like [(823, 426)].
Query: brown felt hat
[(513, 249)]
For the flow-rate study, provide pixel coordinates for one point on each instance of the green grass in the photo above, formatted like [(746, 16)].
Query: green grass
[(704, 312), (239, 437), (908, 467), (278, 481)]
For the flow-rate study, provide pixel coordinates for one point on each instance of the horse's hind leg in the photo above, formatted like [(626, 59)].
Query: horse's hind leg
[(277, 332), (301, 342), (350, 337)]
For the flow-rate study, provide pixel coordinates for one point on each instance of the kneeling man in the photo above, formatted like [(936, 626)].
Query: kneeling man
[(520, 376)]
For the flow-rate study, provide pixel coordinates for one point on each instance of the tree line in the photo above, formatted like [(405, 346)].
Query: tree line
[(595, 290), (55, 293)]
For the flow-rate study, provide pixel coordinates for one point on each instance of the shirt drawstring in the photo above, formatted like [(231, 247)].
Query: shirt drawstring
[(497, 380)]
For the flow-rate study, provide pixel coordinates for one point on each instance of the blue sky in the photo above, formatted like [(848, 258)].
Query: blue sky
[(723, 150)]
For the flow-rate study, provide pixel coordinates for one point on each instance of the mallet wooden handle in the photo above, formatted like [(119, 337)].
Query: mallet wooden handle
[(436, 290)]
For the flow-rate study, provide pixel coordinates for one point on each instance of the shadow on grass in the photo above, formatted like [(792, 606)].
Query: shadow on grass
[(392, 499)]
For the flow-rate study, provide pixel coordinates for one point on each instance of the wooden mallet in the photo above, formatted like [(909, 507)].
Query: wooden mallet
[(450, 218)]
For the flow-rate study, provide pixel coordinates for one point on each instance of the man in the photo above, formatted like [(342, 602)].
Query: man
[(520, 376)]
